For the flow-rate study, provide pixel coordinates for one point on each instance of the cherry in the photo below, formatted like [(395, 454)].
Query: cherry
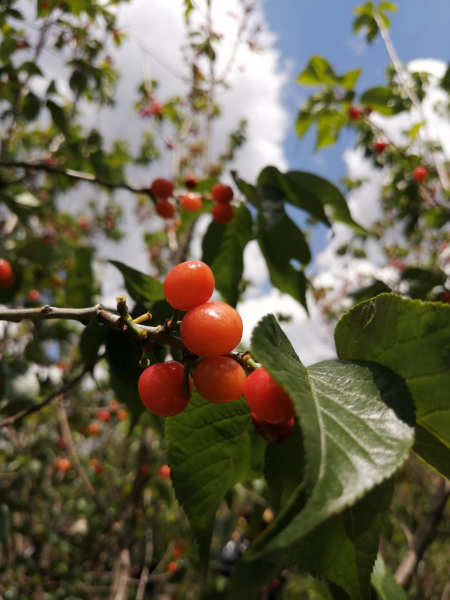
[(93, 429), (96, 466), (222, 194), (354, 113), (211, 329), (266, 398), (161, 389), (156, 109), (445, 297), (379, 146), (121, 414), (162, 188), (191, 182), (368, 111), (63, 464), (172, 567), (189, 284), (420, 174), (222, 213), (219, 379), (191, 202), (164, 472), (165, 209), (144, 469), (6, 274), (83, 223), (103, 415), (274, 433), (33, 296), (61, 443)]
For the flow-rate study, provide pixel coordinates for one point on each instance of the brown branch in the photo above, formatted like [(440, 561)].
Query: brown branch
[(424, 536), (72, 174), (96, 313), (58, 392)]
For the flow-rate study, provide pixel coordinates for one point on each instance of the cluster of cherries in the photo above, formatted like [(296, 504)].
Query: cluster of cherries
[(420, 173), (211, 330), (221, 194)]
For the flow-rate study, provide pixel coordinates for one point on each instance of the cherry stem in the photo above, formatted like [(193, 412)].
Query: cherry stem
[(122, 309), (146, 317), (186, 386), (173, 321)]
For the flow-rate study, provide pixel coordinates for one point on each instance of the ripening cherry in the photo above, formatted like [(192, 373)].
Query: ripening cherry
[(6, 274), (164, 209), (96, 466), (121, 414), (222, 213), (191, 182), (164, 472), (63, 464), (172, 567), (161, 388), (266, 398), (219, 379), (103, 415), (33, 296), (61, 443), (379, 146), (162, 188), (211, 329), (93, 429), (274, 433), (191, 202), (189, 284), (354, 113), (420, 174), (222, 194)]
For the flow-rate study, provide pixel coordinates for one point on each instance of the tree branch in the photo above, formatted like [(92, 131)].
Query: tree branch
[(424, 536), (72, 174), (96, 313)]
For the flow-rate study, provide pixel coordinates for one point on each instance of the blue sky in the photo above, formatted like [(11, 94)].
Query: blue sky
[(323, 27)]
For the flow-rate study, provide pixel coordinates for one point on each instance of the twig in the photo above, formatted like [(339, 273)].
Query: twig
[(424, 536), (181, 255), (58, 392), (72, 174), (147, 560), (96, 313), (67, 435)]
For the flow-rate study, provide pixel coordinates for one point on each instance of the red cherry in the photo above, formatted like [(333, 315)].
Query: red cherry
[(368, 111), (61, 443), (189, 284), (420, 174), (156, 109), (165, 209), (222, 194), (161, 389), (177, 553), (211, 329), (162, 188), (266, 398), (354, 113), (83, 224), (379, 146), (103, 415), (191, 182), (6, 274), (445, 298), (222, 213), (172, 567), (121, 414), (33, 296), (191, 203), (164, 472), (96, 466), (274, 433), (219, 379)]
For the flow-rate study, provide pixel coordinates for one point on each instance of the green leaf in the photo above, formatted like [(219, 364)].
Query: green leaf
[(91, 339), (303, 122), (249, 190), (140, 286), (383, 100), (227, 258), (357, 423), (384, 583), (31, 68), (80, 279), (432, 451), (58, 115), (318, 72), (422, 281), (31, 106), (414, 130), (343, 549), (188, 7), (211, 447), (413, 339), (329, 126), (5, 527), (280, 245), (370, 291), (387, 6), (78, 82)]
